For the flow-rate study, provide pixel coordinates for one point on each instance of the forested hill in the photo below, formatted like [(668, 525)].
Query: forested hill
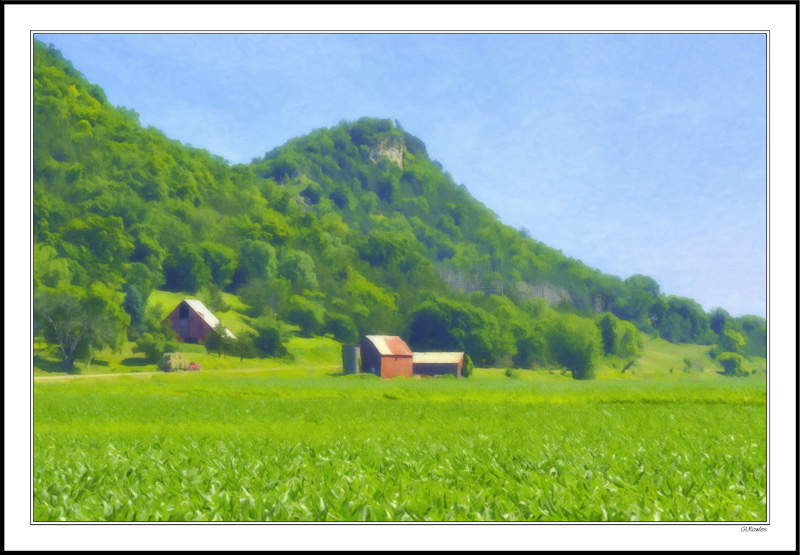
[(348, 230)]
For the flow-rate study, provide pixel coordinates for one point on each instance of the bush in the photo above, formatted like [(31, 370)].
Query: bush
[(468, 368), (153, 346), (732, 363), (575, 344), (269, 340), (513, 374)]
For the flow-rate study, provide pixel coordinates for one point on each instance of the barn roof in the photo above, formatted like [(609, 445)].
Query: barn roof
[(390, 345), (438, 358), (207, 316)]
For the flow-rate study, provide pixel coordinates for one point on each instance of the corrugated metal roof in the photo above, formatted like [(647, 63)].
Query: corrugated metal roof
[(207, 316), (438, 358), (390, 345)]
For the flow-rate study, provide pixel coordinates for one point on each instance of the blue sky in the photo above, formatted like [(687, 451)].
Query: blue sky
[(633, 153)]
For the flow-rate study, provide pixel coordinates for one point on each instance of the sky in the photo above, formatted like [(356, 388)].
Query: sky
[(634, 153)]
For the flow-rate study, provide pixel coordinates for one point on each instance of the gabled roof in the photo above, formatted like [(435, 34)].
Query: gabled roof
[(438, 358), (207, 316), (390, 345)]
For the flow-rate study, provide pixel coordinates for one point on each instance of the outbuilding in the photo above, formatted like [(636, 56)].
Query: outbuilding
[(386, 356), (192, 321), (437, 364)]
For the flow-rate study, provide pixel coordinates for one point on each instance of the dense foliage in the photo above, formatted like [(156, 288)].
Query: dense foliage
[(345, 231)]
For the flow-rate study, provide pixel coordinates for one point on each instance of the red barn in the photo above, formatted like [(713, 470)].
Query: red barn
[(192, 321), (386, 356)]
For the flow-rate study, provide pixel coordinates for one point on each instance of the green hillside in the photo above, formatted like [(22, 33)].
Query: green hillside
[(342, 232)]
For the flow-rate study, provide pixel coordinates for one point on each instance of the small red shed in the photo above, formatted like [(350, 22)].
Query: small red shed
[(192, 321), (386, 356)]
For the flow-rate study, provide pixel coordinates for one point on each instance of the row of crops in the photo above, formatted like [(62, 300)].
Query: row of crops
[(258, 446)]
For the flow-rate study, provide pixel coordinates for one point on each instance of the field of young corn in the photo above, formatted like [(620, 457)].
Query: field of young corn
[(304, 446)]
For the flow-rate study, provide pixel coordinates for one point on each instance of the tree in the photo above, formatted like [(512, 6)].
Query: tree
[(143, 278), (212, 298), (531, 349), (99, 240), (307, 314), (732, 341), (298, 268), (135, 307), (608, 333), (185, 270), (575, 344), (218, 340), (444, 324), (719, 319), (732, 364), (269, 339), (153, 346), (76, 321), (244, 346), (468, 368), (629, 345), (342, 327), (257, 260), (221, 261)]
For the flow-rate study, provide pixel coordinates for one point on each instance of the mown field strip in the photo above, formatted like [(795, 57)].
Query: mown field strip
[(137, 374)]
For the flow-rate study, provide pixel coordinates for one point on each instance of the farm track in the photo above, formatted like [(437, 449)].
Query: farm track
[(225, 371)]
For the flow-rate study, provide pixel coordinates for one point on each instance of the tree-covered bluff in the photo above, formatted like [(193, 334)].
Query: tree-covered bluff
[(348, 230)]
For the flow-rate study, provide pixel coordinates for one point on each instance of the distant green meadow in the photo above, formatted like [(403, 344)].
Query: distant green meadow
[(303, 445)]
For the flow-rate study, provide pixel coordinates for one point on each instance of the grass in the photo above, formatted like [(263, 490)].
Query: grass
[(307, 444)]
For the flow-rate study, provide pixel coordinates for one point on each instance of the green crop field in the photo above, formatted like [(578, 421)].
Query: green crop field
[(306, 444)]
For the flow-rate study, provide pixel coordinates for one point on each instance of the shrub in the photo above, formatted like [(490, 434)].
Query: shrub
[(269, 340), (732, 363), (513, 374), (153, 346), (628, 365), (468, 368), (575, 344)]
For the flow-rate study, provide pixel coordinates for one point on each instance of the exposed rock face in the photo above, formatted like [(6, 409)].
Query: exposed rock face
[(391, 147), (469, 283), (599, 303), (553, 295)]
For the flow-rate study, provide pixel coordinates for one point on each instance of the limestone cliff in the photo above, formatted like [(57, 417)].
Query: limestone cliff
[(391, 147)]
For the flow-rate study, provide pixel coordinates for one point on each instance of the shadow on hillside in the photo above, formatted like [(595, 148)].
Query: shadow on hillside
[(135, 361), (51, 366)]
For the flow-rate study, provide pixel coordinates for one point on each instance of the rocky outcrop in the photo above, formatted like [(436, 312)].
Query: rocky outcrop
[(552, 294), (391, 147)]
